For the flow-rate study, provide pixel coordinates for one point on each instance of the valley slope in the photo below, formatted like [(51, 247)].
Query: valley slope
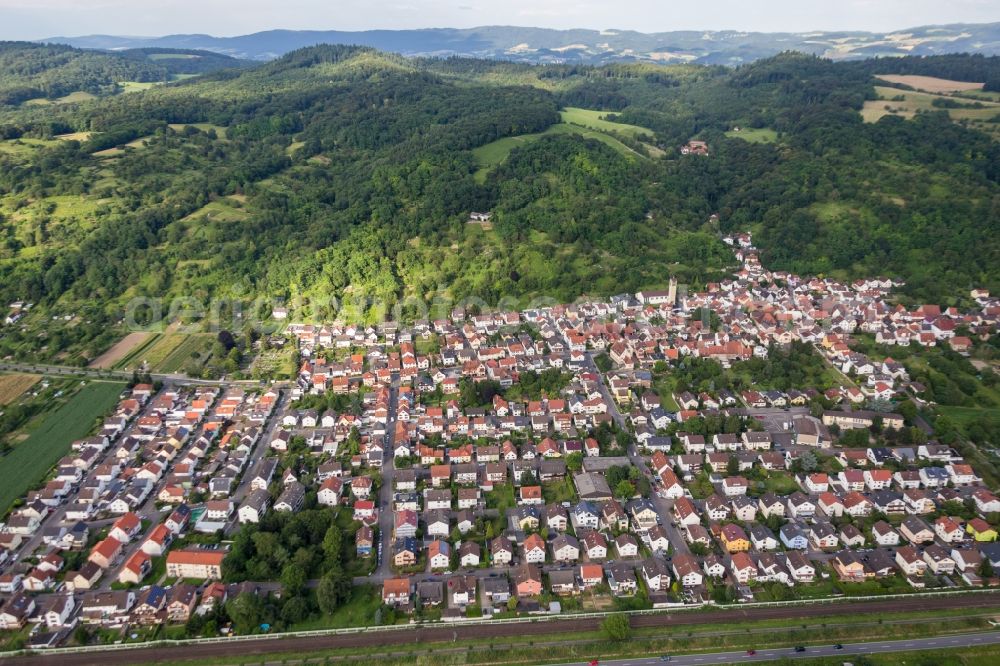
[(340, 175)]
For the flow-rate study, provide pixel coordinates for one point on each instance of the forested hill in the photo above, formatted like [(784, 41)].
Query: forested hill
[(45, 72), (346, 173), (542, 45)]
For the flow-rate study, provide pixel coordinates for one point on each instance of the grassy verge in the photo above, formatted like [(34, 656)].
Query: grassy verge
[(985, 655)]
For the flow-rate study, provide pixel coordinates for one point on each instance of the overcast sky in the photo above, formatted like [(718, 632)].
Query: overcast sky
[(34, 19)]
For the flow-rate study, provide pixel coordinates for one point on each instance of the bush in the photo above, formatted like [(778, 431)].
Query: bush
[(616, 627)]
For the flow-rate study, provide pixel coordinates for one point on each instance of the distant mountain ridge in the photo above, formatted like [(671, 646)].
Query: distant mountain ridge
[(542, 45)]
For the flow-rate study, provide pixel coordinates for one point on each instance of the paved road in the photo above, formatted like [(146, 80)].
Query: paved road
[(385, 512), (848, 650), (246, 651), (259, 451)]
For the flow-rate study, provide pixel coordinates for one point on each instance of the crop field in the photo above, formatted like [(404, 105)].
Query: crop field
[(30, 460), (13, 386), (120, 350), (138, 354), (157, 349), (907, 104), (185, 350), (930, 84)]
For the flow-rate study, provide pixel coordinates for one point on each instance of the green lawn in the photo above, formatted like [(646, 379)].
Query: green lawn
[(557, 492), (963, 416), (754, 134), (597, 120), (777, 483), (30, 460)]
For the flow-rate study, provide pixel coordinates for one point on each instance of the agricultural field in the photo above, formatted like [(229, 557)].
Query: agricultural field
[(13, 386), (965, 416), (598, 120), (120, 350), (157, 349), (133, 359), (31, 459), (979, 114), (930, 84), (191, 348)]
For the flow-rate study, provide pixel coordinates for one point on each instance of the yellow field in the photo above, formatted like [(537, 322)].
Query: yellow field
[(75, 136), (930, 84), (164, 347), (12, 386), (119, 350), (907, 103)]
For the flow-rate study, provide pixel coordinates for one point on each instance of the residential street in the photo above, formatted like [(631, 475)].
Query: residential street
[(664, 507)]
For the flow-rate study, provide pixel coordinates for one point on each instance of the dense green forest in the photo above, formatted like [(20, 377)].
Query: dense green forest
[(344, 173), (42, 72)]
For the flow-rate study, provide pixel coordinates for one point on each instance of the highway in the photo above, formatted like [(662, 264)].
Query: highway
[(848, 650)]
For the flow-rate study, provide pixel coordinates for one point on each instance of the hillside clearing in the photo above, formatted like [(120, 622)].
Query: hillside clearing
[(907, 104), (598, 120), (496, 152), (136, 86), (13, 386), (754, 134), (930, 84), (76, 136)]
